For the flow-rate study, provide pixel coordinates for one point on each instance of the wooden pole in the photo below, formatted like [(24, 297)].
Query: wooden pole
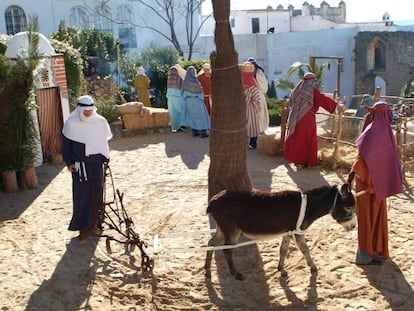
[(284, 107), (338, 134), (377, 94)]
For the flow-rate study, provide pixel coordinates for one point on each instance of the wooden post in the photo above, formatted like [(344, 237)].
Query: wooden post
[(338, 134), (284, 111), (377, 94), (9, 181)]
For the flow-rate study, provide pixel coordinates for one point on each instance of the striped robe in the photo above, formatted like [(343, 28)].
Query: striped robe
[(252, 96)]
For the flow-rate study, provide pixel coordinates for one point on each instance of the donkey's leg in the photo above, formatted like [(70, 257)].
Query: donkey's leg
[(301, 242), (284, 247), (216, 239), (232, 239)]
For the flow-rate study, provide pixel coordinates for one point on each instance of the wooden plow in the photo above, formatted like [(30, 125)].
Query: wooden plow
[(114, 215)]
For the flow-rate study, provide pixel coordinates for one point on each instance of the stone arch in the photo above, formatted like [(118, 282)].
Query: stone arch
[(376, 55)]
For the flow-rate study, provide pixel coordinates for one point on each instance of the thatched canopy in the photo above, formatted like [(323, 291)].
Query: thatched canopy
[(228, 135)]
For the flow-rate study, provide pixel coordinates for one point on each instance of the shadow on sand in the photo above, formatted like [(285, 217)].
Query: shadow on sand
[(70, 285), (389, 279), (10, 210)]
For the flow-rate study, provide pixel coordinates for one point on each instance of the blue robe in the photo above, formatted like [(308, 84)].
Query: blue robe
[(175, 108), (195, 115)]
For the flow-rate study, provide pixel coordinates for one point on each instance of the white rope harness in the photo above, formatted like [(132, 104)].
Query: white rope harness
[(301, 216), (298, 230)]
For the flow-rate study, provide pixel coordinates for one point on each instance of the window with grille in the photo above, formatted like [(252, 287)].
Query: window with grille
[(126, 31), (15, 20), (78, 17)]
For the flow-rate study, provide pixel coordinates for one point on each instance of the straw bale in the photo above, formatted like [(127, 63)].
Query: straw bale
[(131, 107), (148, 118), (161, 117), (345, 158), (133, 121), (269, 143)]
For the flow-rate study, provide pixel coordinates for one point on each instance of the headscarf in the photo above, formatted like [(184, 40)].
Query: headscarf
[(256, 65), (174, 80), (367, 100), (93, 131), (377, 147), (301, 101), (206, 66), (141, 71), (191, 83)]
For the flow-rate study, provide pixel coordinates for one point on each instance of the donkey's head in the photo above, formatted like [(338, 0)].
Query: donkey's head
[(343, 209)]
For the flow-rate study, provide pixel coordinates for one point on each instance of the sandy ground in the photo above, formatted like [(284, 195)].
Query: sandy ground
[(164, 181)]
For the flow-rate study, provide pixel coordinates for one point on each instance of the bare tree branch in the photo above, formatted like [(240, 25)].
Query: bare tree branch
[(165, 12)]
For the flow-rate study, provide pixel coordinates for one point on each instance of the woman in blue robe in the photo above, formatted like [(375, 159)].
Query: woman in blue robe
[(195, 113), (175, 100)]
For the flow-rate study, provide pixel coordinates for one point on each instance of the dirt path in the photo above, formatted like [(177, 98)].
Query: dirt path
[(164, 181)]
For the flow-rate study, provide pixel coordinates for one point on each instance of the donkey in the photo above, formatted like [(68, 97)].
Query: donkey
[(262, 215)]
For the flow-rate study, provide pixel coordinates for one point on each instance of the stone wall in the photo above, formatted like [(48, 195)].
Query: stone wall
[(397, 51)]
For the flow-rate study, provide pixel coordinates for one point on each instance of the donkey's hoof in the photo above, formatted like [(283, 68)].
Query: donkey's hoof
[(240, 276)]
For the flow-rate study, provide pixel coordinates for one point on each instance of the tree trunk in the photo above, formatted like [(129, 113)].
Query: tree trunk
[(9, 181), (228, 133), (28, 178)]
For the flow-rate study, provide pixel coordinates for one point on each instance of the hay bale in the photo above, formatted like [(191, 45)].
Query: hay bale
[(161, 117), (148, 118), (269, 143), (131, 107), (134, 121)]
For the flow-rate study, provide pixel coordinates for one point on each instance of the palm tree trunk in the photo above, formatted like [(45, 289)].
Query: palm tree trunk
[(228, 134)]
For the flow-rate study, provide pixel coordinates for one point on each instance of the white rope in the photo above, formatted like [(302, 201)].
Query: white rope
[(301, 216), (199, 249)]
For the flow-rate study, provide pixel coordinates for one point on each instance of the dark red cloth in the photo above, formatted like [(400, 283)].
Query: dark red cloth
[(206, 85), (248, 79), (377, 146), (302, 146)]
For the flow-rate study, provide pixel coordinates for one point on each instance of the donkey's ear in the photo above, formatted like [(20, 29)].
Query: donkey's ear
[(345, 189), (351, 177)]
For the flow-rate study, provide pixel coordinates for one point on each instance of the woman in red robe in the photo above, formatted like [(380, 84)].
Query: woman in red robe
[(301, 143)]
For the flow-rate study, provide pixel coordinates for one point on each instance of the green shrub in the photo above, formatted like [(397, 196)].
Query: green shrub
[(106, 108), (198, 64), (273, 105)]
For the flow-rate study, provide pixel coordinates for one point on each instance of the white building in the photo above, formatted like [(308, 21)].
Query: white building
[(281, 20), (275, 37), (130, 21)]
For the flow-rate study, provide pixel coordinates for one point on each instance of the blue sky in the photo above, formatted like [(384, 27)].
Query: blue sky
[(356, 10)]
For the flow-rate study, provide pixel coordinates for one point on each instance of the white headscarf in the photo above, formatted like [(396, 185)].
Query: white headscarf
[(141, 71), (93, 131)]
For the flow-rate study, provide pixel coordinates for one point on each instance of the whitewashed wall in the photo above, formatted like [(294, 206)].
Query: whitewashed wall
[(52, 12), (276, 52)]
